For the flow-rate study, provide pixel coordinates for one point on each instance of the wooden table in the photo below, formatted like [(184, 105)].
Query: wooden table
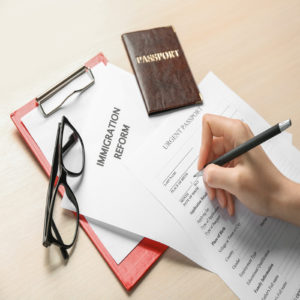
[(253, 46)]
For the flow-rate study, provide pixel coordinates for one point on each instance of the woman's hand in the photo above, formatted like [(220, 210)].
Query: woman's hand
[(252, 177)]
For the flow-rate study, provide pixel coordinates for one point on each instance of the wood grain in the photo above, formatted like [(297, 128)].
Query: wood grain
[(253, 46)]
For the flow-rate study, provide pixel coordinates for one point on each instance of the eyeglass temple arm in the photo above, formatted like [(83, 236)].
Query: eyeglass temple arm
[(71, 141), (63, 251)]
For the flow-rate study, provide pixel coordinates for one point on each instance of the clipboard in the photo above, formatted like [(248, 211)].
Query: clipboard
[(146, 253)]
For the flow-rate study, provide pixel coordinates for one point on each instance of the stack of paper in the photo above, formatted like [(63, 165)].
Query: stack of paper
[(139, 178), (112, 121), (257, 257)]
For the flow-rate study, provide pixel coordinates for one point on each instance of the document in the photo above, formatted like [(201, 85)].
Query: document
[(43, 130), (111, 118), (258, 257), (115, 126)]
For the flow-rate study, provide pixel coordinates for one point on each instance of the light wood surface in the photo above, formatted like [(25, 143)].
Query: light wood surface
[(253, 46)]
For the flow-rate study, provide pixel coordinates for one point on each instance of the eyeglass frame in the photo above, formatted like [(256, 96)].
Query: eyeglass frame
[(55, 182)]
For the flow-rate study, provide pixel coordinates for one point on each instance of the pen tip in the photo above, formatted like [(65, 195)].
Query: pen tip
[(199, 173)]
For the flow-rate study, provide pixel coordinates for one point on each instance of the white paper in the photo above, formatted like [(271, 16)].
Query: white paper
[(108, 193), (259, 258), (43, 130), (119, 243), (115, 126)]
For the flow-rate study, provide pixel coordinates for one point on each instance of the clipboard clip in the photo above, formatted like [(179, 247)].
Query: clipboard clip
[(52, 91)]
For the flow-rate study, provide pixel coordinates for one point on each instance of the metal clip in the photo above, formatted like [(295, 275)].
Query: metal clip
[(51, 92)]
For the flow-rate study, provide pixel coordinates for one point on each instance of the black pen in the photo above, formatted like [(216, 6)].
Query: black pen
[(253, 142)]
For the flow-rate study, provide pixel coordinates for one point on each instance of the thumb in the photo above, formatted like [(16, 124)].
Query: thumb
[(220, 178)]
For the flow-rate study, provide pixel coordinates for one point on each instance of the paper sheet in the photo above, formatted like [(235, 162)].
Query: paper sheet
[(119, 243), (115, 126), (111, 119), (43, 131), (257, 257)]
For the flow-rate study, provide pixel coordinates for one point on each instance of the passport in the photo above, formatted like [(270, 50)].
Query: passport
[(161, 69)]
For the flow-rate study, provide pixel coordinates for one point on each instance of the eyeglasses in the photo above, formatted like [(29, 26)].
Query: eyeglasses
[(68, 160)]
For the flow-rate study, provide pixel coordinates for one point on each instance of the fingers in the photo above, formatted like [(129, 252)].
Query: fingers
[(218, 147), (212, 126), (232, 131), (230, 204), (210, 192), (215, 151), (221, 178), (219, 135), (222, 181), (222, 199)]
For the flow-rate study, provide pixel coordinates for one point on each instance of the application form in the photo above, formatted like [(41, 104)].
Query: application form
[(258, 257)]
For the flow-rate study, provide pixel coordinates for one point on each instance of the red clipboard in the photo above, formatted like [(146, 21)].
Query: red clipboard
[(141, 258)]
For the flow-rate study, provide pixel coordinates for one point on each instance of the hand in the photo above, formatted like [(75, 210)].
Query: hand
[(251, 177)]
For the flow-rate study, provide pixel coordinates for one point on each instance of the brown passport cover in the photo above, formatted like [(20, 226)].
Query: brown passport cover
[(161, 69)]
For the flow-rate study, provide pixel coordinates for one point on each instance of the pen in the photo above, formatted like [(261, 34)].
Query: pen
[(248, 145)]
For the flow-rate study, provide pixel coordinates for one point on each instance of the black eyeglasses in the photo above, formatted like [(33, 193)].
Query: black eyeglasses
[(68, 160)]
